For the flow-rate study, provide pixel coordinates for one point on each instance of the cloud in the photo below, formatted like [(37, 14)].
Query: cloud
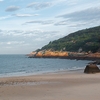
[(40, 22), (28, 33), (15, 42), (84, 15), (5, 17), (12, 42), (39, 34), (65, 2), (22, 15), (71, 24), (10, 33), (12, 8), (64, 22), (25, 15), (44, 36), (26, 40), (38, 5), (72, 2)]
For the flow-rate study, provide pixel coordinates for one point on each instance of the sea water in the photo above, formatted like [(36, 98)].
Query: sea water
[(20, 65)]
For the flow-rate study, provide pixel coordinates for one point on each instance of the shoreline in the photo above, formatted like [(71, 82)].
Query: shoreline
[(24, 74), (70, 57), (71, 85)]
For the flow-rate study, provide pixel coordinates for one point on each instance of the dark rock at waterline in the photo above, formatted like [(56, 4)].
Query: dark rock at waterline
[(95, 62), (92, 68)]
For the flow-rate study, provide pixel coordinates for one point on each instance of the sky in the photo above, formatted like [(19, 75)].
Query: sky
[(27, 25)]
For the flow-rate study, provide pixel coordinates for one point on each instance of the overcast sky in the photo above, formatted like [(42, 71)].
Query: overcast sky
[(26, 25)]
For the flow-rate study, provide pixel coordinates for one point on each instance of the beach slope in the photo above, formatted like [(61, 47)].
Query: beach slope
[(73, 85)]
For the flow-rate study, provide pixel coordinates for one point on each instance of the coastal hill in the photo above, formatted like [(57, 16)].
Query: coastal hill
[(83, 43), (85, 40)]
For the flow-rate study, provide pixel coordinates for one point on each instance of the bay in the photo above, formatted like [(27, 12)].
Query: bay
[(20, 65)]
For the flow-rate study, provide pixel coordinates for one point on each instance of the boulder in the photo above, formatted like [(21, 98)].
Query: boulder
[(92, 68)]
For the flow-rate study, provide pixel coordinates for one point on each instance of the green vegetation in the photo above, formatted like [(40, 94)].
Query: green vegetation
[(87, 39)]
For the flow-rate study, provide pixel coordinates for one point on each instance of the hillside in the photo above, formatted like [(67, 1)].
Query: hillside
[(87, 40)]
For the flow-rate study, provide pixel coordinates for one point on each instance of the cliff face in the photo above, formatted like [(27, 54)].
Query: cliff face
[(48, 54)]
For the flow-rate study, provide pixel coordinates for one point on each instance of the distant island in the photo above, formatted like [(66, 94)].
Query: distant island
[(83, 44)]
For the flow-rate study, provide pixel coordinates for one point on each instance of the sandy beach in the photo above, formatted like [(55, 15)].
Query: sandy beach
[(73, 85)]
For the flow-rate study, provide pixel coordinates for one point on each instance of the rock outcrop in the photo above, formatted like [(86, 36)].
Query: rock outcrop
[(64, 55), (48, 54), (92, 68), (95, 62)]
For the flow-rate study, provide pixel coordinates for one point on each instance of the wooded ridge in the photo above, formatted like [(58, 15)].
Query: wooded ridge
[(85, 40)]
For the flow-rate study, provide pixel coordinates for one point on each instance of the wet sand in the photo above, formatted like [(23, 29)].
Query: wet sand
[(73, 85)]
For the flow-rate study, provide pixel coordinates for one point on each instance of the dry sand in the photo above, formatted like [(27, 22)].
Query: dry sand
[(52, 86)]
